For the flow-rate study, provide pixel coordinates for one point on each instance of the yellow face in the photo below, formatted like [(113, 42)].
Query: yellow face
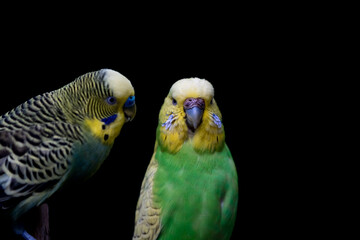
[(108, 113), (190, 113)]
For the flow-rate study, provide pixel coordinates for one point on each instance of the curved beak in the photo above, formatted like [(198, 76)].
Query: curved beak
[(130, 113), (194, 109), (194, 117), (130, 109)]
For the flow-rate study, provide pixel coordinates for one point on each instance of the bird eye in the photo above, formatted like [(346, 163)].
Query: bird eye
[(111, 100), (211, 102), (174, 102)]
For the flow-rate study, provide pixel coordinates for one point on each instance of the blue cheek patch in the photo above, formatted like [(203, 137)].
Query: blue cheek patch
[(130, 102), (217, 120), (109, 120), (168, 122)]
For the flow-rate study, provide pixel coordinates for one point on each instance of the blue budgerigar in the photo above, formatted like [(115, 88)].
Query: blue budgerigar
[(59, 136)]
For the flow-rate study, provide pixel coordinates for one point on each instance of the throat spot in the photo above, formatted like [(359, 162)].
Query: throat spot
[(106, 137)]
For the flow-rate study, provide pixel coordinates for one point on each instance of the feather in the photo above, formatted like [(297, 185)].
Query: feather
[(46, 141), (190, 188)]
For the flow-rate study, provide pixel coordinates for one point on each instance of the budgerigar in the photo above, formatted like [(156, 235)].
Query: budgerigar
[(58, 136), (190, 189)]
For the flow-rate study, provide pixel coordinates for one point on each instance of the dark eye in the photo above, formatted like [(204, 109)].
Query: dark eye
[(174, 102), (111, 100), (211, 102)]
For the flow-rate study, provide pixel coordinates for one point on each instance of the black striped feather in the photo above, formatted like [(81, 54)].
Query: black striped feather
[(36, 138), (35, 147)]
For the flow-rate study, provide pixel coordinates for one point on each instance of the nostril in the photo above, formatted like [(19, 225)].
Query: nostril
[(202, 104), (192, 102), (188, 103)]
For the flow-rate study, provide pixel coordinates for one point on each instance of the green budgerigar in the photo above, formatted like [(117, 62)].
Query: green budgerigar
[(190, 189), (59, 136)]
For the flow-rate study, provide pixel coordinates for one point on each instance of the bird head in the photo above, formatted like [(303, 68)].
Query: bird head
[(102, 101), (190, 113), (122, 94)]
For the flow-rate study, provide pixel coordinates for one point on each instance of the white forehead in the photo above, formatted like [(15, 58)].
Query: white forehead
[(192, 87), (119, 84)]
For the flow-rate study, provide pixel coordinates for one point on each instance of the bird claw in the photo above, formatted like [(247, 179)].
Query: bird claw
[(27, 236)]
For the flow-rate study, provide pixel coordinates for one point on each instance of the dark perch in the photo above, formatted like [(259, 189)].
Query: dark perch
[(41, 228)]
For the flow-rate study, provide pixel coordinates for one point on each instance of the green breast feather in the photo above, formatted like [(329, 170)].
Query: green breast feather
[(197, 194)]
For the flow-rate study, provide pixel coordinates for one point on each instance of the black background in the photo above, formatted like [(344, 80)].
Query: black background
[(254, 77)]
